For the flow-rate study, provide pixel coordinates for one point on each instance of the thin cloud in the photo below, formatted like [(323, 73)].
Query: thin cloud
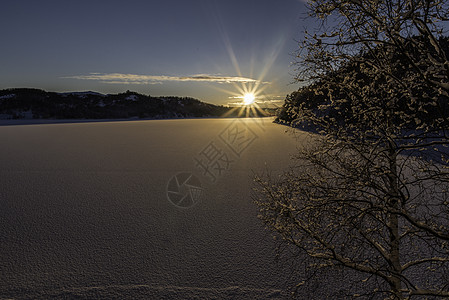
[(131, 82), (272, 103), (118, 78), (266, 100), (263, 99)]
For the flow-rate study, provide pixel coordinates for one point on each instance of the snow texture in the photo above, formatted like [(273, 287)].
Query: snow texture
[(82, 94), (7, 96), (84, 213), (132, 98)]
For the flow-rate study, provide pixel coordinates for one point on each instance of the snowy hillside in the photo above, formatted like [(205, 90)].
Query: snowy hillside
[(39, 104)]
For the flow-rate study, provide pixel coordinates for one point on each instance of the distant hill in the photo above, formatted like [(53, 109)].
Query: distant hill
[(23, 103)]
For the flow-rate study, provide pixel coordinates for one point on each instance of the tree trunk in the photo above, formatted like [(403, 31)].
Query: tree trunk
[(393, 223)]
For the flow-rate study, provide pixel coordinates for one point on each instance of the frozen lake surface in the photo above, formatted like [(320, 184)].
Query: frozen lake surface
[(84, 210)]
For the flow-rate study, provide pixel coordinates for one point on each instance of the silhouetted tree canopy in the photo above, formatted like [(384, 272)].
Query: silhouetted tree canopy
[(366, 205)]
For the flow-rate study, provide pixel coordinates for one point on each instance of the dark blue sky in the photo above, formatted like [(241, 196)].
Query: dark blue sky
[(207, 49)]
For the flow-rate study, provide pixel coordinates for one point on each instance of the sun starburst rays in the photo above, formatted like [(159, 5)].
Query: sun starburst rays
[(248, 98), (248, 95)]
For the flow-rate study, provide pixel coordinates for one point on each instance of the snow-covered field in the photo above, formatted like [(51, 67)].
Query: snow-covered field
[(84, 210)]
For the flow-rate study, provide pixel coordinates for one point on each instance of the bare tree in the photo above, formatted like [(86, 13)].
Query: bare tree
[(370, 191)]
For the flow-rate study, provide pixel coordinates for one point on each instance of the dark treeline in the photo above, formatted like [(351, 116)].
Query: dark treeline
[(316, 95), (38, 104)]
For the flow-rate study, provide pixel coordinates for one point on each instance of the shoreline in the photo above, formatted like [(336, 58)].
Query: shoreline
[(20, 122)]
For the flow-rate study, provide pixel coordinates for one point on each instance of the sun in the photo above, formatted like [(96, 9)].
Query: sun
[(249, 98)]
